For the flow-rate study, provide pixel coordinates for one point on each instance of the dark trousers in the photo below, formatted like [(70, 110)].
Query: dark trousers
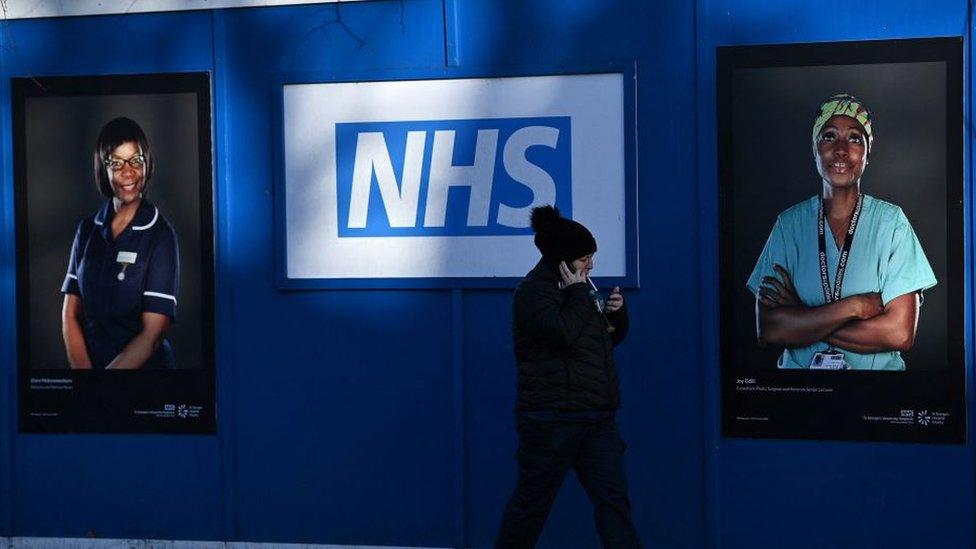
[(547, 450)]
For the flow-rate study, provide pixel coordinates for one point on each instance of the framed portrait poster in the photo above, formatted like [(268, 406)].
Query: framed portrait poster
[(115, 261), (841, 223)]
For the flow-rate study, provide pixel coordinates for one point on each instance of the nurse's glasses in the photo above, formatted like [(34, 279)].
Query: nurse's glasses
[(137, 162)]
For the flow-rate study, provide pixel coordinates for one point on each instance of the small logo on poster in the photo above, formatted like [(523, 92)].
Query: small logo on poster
[(172, 411), (924, 418)]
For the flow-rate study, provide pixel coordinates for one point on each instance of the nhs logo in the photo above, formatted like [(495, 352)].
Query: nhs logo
[(403, 183), (450, 177)]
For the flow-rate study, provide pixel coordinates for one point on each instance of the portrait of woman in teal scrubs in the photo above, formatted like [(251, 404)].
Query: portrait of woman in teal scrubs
[(839, 282)]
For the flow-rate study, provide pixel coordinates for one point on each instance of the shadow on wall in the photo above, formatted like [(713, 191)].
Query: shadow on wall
[(665, 479)]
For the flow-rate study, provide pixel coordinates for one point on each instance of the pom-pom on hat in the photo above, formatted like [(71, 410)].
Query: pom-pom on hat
[(558, 238)]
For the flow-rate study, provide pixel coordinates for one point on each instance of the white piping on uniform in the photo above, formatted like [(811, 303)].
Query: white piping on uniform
[(157, 294), (151, 223), (99, 223), (72, 276)]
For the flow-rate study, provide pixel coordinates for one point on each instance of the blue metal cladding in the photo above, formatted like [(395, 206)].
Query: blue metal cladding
[(114, 486), (344, 415), (767, 493), (661, 418), (383, 417), (342, 420)]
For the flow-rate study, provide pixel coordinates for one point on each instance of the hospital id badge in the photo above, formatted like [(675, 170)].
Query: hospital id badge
[(828, 360), (125, 259)]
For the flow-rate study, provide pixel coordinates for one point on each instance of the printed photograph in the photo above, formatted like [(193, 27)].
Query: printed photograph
[(115, 255), (841, 228)]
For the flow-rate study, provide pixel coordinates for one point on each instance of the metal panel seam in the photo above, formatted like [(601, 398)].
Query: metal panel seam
[(460, 433), (8, 311), (224, 306), (451, 58), (709, 433), (968, 215)]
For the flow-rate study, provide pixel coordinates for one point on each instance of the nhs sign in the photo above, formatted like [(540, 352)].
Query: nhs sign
[(432, 179), (404, 178)]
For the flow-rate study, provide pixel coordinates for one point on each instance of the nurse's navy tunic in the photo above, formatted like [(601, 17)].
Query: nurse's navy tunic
[(120, 278)]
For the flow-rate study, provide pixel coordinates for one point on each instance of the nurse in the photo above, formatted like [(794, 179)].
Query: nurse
[(120, 291), (840, 280)]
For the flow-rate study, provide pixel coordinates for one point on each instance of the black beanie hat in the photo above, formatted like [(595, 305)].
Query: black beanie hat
[(558, 238)]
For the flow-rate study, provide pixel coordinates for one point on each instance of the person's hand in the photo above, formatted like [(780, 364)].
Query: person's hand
[(569, 277), (615, 301), (866, 305), (779, 292)]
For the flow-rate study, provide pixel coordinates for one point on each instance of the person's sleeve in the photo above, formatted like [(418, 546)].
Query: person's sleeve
[(547, 316), (907, 269), (773, 253), (70, 283), (621, 324), (163, 278)]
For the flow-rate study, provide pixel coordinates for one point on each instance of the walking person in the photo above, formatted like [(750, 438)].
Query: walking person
[(568, 389)]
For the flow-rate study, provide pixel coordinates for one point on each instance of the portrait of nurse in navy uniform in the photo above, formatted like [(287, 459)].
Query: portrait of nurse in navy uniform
[(122, 284)]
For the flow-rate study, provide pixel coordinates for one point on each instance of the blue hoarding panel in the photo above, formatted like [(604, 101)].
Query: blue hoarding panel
[(343, 400), (660, 418), (70, 485), (384, 416), (763, 493)]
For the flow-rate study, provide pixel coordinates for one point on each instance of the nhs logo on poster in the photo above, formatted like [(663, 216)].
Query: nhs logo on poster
[(450, 177), (418, 180)]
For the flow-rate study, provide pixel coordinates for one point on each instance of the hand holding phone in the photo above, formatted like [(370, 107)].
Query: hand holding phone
[(616, 300), (569, 275)]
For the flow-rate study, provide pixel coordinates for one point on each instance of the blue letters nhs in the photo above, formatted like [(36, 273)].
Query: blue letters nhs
[(450, 177)]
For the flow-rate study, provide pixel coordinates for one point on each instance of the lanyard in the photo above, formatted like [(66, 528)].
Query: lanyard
[(844, 254)]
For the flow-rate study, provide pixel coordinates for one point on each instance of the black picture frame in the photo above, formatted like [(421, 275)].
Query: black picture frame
[(925, 403), (51, 397)]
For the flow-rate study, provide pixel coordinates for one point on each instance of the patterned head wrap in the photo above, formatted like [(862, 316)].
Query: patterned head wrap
[(844, 104)]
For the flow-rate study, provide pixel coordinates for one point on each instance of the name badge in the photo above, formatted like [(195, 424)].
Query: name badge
[(126, 259), (828, 361)]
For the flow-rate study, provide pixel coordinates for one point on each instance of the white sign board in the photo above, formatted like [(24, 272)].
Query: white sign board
[(436, 178)]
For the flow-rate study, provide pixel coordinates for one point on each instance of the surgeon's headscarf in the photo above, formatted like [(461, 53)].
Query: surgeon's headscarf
[(844, 104)]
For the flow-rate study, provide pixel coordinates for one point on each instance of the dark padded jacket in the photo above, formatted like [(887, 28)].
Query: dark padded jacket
[(563, 346)]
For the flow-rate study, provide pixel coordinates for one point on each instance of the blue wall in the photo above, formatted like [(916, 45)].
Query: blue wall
[(384, 417), (765, 493)]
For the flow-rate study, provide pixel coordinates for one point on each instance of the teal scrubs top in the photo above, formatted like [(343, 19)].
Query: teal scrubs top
[(886, 257)]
